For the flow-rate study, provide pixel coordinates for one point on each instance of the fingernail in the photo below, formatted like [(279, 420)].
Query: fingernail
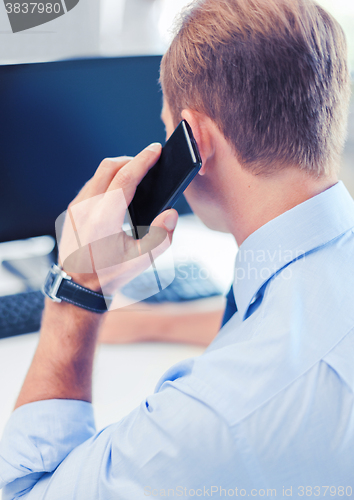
[(154, 147), (171, 221)]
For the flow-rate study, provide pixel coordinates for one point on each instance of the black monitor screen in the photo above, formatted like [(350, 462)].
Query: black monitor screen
[(58, 121)]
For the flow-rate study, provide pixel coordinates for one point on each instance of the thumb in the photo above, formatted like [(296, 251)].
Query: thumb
[(167, 220), (162, 226)]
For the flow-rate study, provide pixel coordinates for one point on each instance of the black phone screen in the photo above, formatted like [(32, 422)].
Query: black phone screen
[(165, 182)]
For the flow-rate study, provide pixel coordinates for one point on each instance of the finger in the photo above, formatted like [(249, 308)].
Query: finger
[(102, 178), (128, 177), (162, 226), (106, 172)]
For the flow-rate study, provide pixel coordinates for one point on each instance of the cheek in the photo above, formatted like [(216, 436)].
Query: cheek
[(203, 203), (197, 195), (169, 131), (192, 189), (200, 189)]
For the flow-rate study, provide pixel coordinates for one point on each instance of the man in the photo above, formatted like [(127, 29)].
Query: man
[(268, 409)]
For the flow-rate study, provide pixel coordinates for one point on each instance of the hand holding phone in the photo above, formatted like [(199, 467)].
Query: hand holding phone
[(165, 182)]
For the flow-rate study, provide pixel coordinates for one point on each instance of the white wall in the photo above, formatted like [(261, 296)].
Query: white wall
[(74, 34), (137, 26), (130, 27)]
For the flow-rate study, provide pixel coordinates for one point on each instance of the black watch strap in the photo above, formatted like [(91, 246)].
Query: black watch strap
[(59, 286)]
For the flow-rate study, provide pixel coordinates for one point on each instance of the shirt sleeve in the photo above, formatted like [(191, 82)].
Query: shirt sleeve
[(171, 442), (39, 436)]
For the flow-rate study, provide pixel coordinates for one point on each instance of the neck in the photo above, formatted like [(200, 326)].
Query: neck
[(259, 199), (229, 198)]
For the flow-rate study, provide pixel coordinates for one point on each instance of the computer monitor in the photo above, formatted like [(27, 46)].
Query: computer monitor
[(58, 121)]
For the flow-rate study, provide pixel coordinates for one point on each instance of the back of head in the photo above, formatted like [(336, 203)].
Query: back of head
[(273, 76)]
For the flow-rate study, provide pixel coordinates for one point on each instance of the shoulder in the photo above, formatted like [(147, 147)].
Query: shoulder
[(306, 317)]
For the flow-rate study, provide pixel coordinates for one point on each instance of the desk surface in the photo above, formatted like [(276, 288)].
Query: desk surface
[(123, 374)]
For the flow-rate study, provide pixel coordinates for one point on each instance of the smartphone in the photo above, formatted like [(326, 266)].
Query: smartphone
[(165, 182)]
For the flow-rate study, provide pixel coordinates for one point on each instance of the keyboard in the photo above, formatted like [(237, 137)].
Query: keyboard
[(190, 283), (21, 313)]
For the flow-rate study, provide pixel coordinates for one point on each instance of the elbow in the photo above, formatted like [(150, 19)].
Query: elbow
[(21, 487)]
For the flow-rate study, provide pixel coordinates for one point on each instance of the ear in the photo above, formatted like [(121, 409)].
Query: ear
[(202, 134)]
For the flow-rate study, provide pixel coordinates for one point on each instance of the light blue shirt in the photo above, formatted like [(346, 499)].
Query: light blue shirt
[(267, 410)]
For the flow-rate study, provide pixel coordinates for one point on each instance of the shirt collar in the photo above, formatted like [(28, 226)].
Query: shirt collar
[(284, 239)]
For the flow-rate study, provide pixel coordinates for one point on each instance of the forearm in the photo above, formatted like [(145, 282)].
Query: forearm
[(196, 322), (197, 329), (62, 365)]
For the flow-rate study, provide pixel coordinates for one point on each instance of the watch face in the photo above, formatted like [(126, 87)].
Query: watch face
[(49, 282)]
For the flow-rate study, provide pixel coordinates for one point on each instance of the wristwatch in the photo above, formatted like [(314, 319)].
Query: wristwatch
[(59, 286)]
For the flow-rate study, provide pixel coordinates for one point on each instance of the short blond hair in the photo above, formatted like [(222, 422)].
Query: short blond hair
[(273, 76)]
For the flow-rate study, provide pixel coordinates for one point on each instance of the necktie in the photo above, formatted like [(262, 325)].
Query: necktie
[(231, 307)]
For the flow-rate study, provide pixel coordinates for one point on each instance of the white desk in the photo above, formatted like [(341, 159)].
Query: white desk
[(123, 374)]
